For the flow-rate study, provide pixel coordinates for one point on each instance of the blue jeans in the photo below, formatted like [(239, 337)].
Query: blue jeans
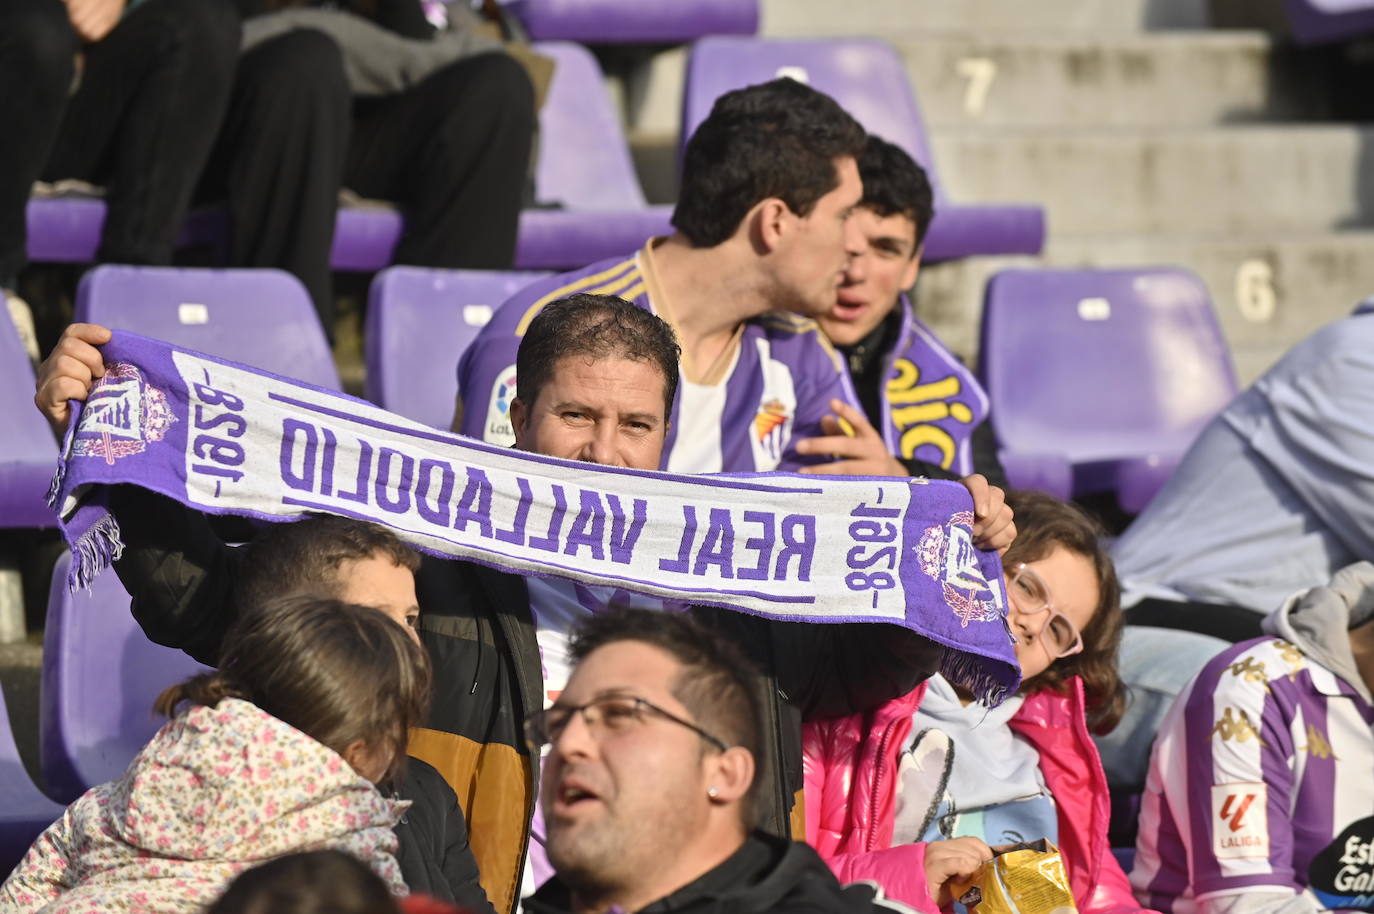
[(1156, 664)]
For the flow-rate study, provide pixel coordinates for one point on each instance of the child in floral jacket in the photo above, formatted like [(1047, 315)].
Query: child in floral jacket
[(279, 751)]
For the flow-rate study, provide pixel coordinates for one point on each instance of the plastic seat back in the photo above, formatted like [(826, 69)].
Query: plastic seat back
[(24, 810), (1115, 370), (864, 75), (28, 451), (101, 675), (418, 324), (584, 160), (262, 318), (635, 21)]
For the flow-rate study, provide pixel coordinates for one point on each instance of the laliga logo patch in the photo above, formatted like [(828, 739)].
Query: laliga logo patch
[(1342, 875), (122, 414), (499, 429), (947, 554), (1240, 820)]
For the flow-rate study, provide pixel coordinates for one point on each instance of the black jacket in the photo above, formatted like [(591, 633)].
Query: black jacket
[(767, 875), (478, 628), (434, 853)]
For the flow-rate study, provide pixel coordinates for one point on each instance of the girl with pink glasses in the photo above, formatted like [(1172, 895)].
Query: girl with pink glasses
[(920, 791)]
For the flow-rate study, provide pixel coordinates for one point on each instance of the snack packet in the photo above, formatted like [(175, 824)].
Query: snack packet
[(1023, 879)]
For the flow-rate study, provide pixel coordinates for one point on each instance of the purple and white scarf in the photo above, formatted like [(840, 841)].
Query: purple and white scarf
[(227, 439), (931, 402)]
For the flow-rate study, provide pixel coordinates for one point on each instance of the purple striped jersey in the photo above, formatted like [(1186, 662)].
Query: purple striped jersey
[(1261, 790), (743, 414)]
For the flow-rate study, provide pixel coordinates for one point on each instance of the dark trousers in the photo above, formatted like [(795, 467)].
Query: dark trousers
[(453, 152), (151, 97), (1229, 623)]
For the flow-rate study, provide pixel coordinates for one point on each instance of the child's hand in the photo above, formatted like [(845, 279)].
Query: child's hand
[(946, 860)]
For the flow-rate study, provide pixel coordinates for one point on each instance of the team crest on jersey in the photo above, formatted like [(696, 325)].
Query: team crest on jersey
[(121, 415), (1240, 820), (769, 426), (946, 553)]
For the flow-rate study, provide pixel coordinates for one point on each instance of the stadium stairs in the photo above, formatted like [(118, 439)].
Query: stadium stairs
[(1149, 136)]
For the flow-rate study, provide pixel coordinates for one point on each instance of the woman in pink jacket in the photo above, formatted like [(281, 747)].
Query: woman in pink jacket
[(916, 792)]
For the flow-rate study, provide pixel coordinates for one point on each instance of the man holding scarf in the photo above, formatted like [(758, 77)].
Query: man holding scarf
[(598, 378)]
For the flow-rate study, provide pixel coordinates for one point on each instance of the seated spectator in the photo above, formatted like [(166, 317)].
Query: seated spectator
[(152, 82), (762, 226), (970, 778), (278, 751), (597, 382), (650, 784), (357, 562), (364, 95), (931, 410), (1292, 459), (315, 882), (1259, 796)]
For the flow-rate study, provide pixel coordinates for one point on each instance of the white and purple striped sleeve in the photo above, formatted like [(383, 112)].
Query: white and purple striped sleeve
[(1216, 820)]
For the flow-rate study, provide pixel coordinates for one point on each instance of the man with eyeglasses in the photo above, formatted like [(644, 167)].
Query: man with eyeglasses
[(649, 783)]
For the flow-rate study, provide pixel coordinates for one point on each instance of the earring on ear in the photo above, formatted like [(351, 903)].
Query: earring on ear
[(712, 792)]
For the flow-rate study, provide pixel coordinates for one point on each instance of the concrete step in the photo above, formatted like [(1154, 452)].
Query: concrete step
[(1070, 79), (1250, 179), (822, 18), (1270, 292), (1067, 79)]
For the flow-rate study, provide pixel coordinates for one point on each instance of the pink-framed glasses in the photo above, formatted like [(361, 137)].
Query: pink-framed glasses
[(1030, 596)]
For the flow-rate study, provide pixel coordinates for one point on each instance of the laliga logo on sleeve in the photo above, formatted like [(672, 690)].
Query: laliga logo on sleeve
[(122, 414), (499, 430), (1342, 875), (1240, 820), (947, 554)]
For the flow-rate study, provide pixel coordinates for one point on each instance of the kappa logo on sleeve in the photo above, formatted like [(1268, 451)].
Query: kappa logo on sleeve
[(1240, 820)]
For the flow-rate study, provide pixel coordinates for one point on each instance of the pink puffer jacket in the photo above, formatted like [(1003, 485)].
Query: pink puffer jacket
[(851, 769)]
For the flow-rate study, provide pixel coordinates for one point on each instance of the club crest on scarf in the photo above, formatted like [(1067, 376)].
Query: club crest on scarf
[(946, 553), (122, 414)]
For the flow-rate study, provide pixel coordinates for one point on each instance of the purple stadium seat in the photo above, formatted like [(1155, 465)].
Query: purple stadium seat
[(64, 229), (635, 21), (591, 205), (24, 810), (262, 318), (418, 324), (100, 678), (28, 452), (585, 166), (867, 77), (1101, 376), (1316, 21), (67, 229)]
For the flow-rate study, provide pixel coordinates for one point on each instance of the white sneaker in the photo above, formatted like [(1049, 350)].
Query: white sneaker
[(22, 316)]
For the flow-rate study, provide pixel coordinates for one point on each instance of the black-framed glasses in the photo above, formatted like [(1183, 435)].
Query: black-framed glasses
[(1030, 596), (605, 716)]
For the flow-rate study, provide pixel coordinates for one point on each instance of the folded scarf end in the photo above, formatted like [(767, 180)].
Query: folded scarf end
[(93, 551), (972, 673), (59, 476)]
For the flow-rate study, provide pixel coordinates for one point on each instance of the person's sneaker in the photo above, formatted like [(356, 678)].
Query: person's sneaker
[(22, 317)]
